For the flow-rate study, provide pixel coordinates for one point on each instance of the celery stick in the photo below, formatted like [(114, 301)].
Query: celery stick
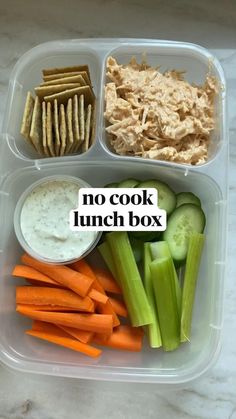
[(162, 275), (159, 250), (153, 329), (195, 246), (105, 251), (129, 279)]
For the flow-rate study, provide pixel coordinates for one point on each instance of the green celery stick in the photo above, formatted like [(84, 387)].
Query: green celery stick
[(162, 275), (195, 246), (153, 329), (159, 250), (105, 252), (129, 279)]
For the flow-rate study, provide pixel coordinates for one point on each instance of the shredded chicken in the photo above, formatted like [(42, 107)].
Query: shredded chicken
[(158, 116)]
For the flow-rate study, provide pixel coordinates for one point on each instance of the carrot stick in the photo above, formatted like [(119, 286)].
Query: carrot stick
[(124, 337), (119, 307), (53, 296), (98, 296), (27, 272), (97, 323), (61, 338), (36, 283), (107, 309), (82, 335), (40, 326), (107, 281), (65, 276), (36, 307), (83, 267)]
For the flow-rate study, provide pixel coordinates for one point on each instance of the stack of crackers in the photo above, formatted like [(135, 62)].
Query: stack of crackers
[(60, 119)]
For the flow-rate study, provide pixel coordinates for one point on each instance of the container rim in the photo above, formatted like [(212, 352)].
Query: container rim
[(122, 374)]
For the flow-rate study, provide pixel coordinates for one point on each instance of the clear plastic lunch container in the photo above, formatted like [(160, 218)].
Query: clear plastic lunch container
[(20, 167)]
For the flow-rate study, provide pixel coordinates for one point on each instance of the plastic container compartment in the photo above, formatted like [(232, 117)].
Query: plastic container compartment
[(196, 61), (97, 167)]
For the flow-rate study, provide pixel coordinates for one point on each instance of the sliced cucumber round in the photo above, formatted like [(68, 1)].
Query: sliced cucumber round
[(187, 198), (185, 220), (166, 197), (128, 183), (111, 185)]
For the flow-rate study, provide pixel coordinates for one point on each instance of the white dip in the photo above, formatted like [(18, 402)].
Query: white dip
[(45, 222)]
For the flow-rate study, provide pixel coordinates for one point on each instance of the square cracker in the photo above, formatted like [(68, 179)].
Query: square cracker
[(53, 77), (81, 117), (75, 122), (78, 79), (63, 97), (50, 143), (36, 127), (49, 71), (57, 144), (62, 129), (70, 138), (44, 129), (93, 124), (43, 91), (27, 117), (85, 145)]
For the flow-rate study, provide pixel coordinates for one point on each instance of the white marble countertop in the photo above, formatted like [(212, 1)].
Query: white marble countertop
[(24, 24)]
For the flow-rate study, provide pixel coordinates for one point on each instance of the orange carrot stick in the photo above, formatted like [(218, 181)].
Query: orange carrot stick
[(124, 337), (98, 296), (67, 342), (98, 323), (53, 296), (82, 335), (61, 338), (65, 276), (36, 307), (107, 309), (119, 307), (83, 267), (27, 272), (39, 326), (36, 283), (107, 281)]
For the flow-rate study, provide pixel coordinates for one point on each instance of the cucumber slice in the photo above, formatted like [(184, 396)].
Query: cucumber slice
[(128, 183), (111, 185), (185, 220), (166, 197), (187, 198)]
